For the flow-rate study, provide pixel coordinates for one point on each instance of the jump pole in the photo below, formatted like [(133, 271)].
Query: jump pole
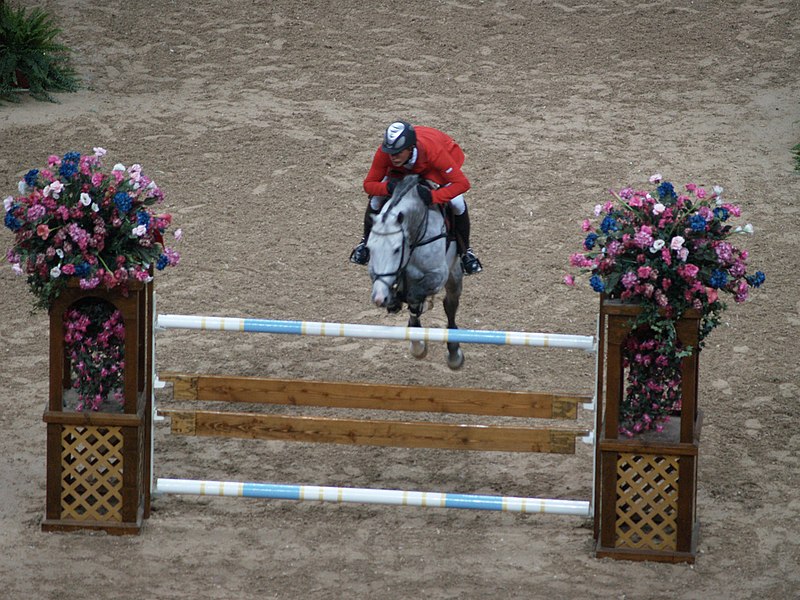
[(370, 495), (385, 332), (278, 491)]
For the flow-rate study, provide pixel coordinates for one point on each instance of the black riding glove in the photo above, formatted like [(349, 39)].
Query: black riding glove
[(425, 194), (390, 185)]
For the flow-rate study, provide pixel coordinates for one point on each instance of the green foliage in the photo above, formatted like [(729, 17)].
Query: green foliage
[(30, 56)]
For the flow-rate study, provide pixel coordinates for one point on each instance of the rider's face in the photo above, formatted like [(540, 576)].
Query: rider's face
[(401, 158)]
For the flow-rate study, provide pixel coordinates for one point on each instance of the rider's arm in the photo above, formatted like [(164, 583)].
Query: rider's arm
[(373, 182), (455, 182)]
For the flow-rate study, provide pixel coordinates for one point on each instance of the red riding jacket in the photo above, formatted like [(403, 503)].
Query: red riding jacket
[(439, 159)]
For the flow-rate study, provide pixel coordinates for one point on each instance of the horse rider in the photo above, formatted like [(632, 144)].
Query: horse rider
[(437, 159)]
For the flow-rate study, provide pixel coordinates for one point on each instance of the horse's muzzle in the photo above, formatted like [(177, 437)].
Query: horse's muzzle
[(381, 294)]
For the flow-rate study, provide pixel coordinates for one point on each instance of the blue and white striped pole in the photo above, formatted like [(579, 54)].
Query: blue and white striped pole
[(386, 332), (372, 496)]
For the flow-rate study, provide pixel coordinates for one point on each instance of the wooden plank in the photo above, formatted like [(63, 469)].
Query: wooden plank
[(375, 433), (379, 397)]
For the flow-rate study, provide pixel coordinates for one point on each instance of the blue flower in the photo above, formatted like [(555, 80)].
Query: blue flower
[(30, 177), (666, 191), (143, 218), (82, 269), (697, 223), (67, 170), (756, 280), (721, 213), (69, 165), (609, 224), (12, 222), (718, 279), (590, 240), (162, 262), (123, 202), (597, 283)]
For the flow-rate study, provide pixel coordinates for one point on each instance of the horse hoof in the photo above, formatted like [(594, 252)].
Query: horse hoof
[(419, 350), (457, 361)]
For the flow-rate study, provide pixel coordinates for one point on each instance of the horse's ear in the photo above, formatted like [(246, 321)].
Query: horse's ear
[(400, 217)]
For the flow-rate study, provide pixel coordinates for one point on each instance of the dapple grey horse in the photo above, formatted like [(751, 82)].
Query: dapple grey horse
[(411, 260)]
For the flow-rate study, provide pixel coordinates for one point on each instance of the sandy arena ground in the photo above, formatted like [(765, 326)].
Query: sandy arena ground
[(259, 119)]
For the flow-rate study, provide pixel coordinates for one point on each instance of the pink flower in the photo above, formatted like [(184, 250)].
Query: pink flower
[(89, 284), (586, 225), (677, 242), (655, 178), (569, 280), (629, 280), (36, 212), (644, 272), (43, 231)]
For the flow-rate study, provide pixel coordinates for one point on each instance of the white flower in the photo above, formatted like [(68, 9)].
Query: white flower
[(655, 178), (86, 199), (95, 208), (8, 201), (597, 210), (657, 245), (22, 187), (677, 242), (118, 167), (659, 208), (55, 273), (718, 190), (98, 151), (139, 230), (748, 228), (59, 253), (16, 268), (178, 234)]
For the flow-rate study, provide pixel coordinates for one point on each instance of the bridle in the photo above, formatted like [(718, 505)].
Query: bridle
[(394, 279)]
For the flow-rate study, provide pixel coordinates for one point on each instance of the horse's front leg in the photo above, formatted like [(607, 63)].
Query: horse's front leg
[(455, 357), (419, 349)]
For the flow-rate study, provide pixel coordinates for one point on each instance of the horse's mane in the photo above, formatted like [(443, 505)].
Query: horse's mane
[(405, 185)]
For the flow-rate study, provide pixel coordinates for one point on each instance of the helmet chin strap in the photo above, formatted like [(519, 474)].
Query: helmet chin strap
[(411, 159)]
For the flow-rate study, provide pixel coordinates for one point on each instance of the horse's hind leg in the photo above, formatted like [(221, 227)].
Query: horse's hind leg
[(455, 357), (418, 349)]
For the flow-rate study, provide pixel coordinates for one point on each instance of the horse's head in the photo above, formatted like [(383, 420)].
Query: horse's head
[(394, 231)]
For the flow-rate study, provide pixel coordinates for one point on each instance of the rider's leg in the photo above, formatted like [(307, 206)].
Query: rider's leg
[(469, 261), (360, 254)]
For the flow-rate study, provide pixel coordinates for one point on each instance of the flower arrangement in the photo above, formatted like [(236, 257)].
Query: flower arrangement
[(71, 219), (667, 251), (94, 342)]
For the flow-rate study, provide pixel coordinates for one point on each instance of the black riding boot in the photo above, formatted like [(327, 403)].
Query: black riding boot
[(360, 254), (469, 261)]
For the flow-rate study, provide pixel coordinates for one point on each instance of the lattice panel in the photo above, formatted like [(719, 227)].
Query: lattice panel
[(647, 501), (91, 482)]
